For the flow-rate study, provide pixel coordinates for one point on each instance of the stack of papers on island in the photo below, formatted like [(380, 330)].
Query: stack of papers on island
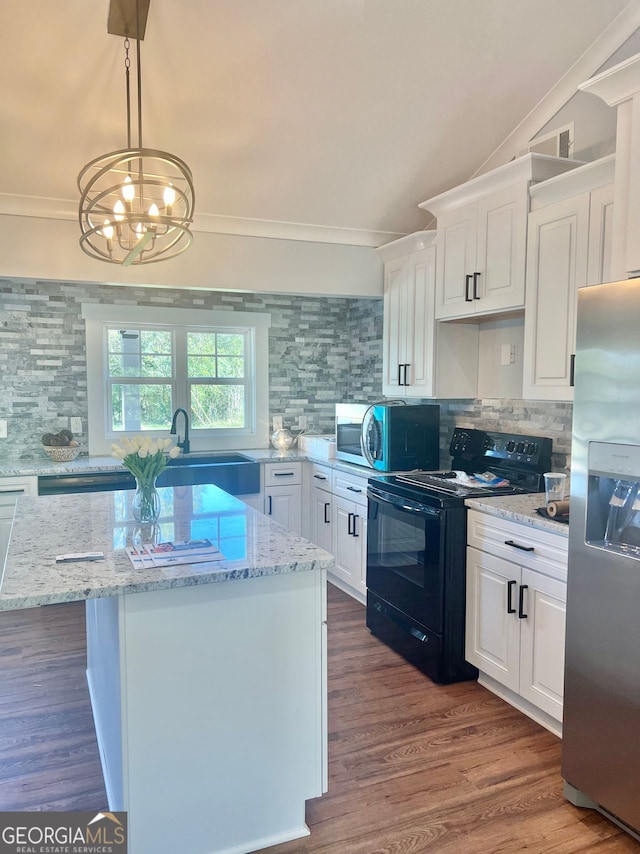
[(149, 556)]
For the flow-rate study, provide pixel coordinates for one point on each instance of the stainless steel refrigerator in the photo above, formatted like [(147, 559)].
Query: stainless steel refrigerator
[(601, 731)]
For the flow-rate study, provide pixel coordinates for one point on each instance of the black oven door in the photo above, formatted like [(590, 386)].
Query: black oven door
[(405, 564)]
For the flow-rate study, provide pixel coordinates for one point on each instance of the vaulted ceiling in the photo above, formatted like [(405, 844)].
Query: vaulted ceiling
[(340, 113)]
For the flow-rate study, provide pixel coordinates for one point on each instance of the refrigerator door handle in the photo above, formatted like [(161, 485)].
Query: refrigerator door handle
[(521, 613)]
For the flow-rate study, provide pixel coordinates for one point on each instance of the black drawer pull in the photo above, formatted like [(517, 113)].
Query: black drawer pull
[(572, 370), (399, 374), (270, 505), (283, 473), (327, 505), (350, 524), (521, 613), (320, 477), (518, 546), (355, 529), (405, 366), (510, 608), (476, 276), (354, 489)]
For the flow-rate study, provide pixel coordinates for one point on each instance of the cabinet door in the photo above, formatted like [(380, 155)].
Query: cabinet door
[(419, 323), (283, 504), (456, 259), (395, 278), (600, 235), (346, 547), (492, 636), (542, 642), (321, 512), (556, 268), (501, 251)]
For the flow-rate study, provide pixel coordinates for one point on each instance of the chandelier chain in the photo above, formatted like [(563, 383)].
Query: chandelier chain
[(127, 66)]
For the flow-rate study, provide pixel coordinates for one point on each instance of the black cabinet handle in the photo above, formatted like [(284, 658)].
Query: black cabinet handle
[(572, 370), (355, 529), (518, 546), (467, 283), (354, 489), (510, 608), (283, 473), (327, 505), (350, 524), (399, 374), (270, 505), (405, 366), (320, 477), (476, 276), (521, 613)]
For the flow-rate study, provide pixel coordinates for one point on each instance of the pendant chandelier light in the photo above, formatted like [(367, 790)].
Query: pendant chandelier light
[(136, 204)]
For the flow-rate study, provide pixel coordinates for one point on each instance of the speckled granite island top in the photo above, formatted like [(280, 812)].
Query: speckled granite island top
[(47, 526), (519, 508)]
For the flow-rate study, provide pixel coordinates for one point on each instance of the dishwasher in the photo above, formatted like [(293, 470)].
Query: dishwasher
[(96, 481)]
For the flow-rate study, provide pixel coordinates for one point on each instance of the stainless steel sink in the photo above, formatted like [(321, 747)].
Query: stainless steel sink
[(235, 473)]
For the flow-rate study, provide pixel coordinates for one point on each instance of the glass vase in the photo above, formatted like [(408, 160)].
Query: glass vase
[(146, 502)]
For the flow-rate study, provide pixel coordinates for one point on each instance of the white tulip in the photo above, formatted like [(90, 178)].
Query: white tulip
[(167, 443), (142, 453), (119, 453), (174, 452)]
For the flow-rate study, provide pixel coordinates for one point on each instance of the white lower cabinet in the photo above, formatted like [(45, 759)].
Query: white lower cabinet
[(283, 494), (515, 619), (11, 488), (318, 509)]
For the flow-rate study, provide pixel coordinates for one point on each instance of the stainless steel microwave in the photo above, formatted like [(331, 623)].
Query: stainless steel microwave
[(389, 436)]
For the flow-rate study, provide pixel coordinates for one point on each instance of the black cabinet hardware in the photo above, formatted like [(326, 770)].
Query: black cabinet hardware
[(476, 276), (350, 524), (320, 477), (572, 370), (355, 527), (510, 608), (521, 613), (327, 505), (270, 506), (399, 374), (467, 283), (518, 546), (354, 489), (283, 473)]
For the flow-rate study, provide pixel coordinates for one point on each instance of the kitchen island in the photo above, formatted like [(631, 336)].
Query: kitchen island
[(207, 681)]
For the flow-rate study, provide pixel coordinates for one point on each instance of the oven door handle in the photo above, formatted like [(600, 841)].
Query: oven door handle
[(402, 503)]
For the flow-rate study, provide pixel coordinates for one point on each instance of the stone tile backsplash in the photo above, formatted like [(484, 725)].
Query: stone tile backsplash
[(321, 350)]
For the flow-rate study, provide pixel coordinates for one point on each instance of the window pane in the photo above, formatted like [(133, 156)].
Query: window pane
[(230, 344), (202, 366), (217, 406), (139, 353), (141, 407), (230, 366), (201, 343)]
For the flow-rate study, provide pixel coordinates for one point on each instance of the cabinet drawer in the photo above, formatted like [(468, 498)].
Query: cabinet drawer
[(320, 476), (280, 474), (13, 487), (522, 544), (349, 486)]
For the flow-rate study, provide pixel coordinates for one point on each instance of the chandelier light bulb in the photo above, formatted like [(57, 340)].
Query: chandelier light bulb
[(169, 197), (107, 230), (139, 230), (128, 190), (118, 211), (153, 210)]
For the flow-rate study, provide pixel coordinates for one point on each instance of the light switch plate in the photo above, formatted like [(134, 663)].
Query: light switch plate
[(3, 429), (75, 425), (277, 422)]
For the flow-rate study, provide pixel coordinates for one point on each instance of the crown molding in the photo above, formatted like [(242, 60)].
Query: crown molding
[(63, 209), (620, 29)]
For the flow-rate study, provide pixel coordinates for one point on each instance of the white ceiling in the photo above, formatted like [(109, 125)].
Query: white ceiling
[(341, 113)]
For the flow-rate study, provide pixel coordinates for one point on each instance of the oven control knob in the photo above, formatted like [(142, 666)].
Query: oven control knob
[(532, 447), (511, 446), (520, 448)]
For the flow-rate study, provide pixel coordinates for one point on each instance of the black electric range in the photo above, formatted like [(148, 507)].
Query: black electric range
[(416, 544)]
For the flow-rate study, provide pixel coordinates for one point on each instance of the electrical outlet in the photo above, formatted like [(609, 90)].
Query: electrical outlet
[(3, 429), (303, 422), (75, 425), (277, 422)]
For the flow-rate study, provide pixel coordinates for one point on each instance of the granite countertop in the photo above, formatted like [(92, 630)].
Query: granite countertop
[(47, 526), (519, 508)]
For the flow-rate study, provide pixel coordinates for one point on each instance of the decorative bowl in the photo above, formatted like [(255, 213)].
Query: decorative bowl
[(61, 453)]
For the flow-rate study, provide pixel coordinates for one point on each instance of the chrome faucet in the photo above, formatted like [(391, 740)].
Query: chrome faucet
[(184, 444)]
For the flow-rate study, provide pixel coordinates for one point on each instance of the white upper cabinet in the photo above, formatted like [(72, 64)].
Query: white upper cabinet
[(481, 238), (570, 233), (421, 358)]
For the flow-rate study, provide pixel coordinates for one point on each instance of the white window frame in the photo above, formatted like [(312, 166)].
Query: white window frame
[(99, 317)]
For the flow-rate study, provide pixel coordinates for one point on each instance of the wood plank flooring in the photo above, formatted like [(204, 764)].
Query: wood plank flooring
[(413, 767)]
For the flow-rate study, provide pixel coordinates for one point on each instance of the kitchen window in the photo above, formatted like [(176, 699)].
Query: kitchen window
[(143, 363)]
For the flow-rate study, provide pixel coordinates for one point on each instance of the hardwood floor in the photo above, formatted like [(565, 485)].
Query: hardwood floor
[(413, 767)]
